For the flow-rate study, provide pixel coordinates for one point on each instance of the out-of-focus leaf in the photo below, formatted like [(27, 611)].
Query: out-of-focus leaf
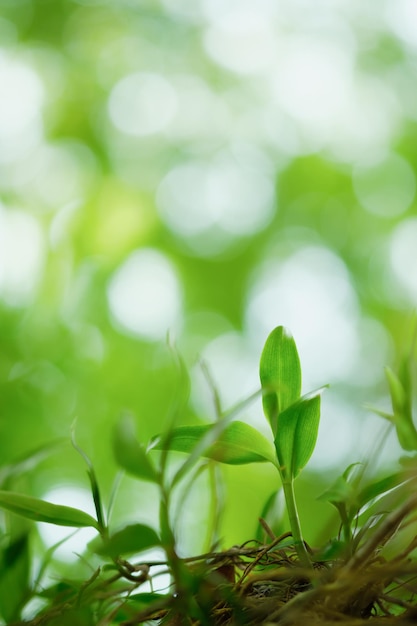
[(29, 461), (131, 539), (401, 404), (129, 453), (380, 487), (339, 491), (81, 616), (47, 557), (280, 374), (42, 511), (333, 550), (296, 435), (61, 591), (342, 490), (237, 444), (148, 598), (274, 513), (14, 577), (397, 391)]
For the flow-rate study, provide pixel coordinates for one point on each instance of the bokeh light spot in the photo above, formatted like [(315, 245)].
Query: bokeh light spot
[(21, 96), (242, 41), (21, 102), (51, 534), (311, 293), (144, 295), (21, 256), (142, 104), (231, 365), (313, 79), (229, 193), (401, 17), (403, 256), (57, 174), (386, 188)]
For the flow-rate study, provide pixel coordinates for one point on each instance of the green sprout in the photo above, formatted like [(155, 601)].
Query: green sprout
[(294, 419), (361, 499), (294, 422)]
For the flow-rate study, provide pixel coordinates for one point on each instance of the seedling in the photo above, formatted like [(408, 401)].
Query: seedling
[(204, 586), (294, 421)]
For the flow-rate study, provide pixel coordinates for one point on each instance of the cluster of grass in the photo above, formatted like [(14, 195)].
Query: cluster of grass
[(368, 572)]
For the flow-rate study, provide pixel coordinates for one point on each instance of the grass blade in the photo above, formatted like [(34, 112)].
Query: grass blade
[(41, 511)]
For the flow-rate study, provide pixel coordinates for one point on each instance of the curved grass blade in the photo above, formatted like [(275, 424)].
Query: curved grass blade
[(29, 461), (381, 487), (41, 511), (400, 391), (95, 489)]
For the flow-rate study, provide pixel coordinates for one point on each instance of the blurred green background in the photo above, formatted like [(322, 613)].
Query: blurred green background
[(208, 169)]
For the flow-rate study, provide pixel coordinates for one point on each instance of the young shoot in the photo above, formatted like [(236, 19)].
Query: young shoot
[(294, 422), (294, 419)]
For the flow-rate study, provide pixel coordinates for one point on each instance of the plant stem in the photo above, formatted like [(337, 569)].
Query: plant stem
[(288, 485), (346, 530)]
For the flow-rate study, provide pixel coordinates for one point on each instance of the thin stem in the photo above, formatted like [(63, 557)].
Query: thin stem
[(288, 485), (346, 530)]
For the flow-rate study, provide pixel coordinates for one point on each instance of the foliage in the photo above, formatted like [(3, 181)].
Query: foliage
[(282, 579), (205, 169)]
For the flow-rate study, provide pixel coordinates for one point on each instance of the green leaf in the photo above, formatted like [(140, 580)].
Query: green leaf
[(28, 462), (280, 374), (237, 444), (15, 566), (95, 489), (274, 514), (148, 598), (131, 539), (380, 487), (42, 511), (129, 453), (339, 492), (397, 391), (296, 435), (331, 551), (401, 404), (343, 489)]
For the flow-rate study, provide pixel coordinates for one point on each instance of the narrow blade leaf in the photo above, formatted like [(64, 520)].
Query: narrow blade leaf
[(380, 487), (401, 405), (42, 511), (15, 565), (129, 453), (237, 444), (28, 462), (297, 434), (397, 392), (280, 374)]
